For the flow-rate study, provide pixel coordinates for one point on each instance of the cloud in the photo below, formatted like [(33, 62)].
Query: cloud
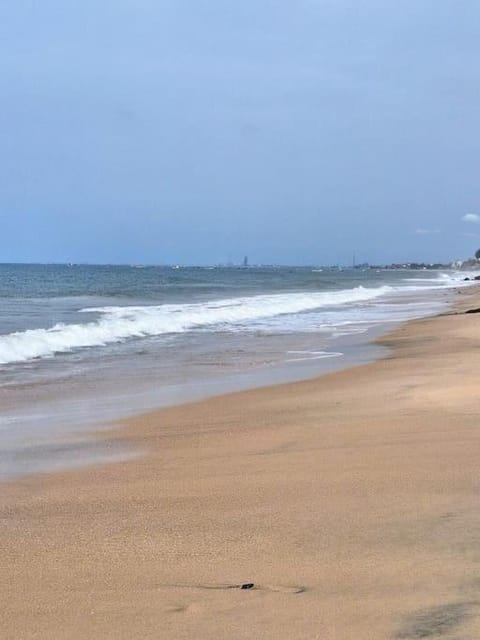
[(471, 217), (467, 234), (426, 232)]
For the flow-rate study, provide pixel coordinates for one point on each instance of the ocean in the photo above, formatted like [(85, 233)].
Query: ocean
[(83, 345)]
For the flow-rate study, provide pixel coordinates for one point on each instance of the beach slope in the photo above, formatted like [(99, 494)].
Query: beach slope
[(351, 502)]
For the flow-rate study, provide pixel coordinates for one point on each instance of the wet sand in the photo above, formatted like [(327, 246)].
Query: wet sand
[(351, 502)]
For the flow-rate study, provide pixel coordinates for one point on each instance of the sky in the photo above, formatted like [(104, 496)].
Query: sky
[(167, 131)]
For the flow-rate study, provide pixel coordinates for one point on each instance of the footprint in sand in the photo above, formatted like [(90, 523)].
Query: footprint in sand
[(182, 607)]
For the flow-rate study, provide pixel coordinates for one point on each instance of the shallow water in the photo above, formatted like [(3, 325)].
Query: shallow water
[(80, 346)]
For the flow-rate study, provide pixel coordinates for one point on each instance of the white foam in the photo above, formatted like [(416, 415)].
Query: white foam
[(441, 280), (117, 324), (302, 356)]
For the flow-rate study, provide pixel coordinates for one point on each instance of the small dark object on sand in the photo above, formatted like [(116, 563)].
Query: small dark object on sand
[(466, 278), (473, 310), (247, 585)]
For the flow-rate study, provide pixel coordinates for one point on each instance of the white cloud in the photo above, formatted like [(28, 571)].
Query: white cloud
[(426, 232), (471, 217)]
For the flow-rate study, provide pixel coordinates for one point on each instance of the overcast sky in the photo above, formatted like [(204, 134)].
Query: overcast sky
[(157, 131)]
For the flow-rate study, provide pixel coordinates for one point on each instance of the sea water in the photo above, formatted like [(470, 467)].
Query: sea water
[(81, 345)]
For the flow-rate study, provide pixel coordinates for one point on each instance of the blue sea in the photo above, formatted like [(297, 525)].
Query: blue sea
[(82, 345)]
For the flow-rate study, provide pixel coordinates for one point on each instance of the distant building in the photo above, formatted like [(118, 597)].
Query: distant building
[(245, 261)]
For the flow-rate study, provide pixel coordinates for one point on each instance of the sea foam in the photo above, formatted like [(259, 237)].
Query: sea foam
[(118, 324)]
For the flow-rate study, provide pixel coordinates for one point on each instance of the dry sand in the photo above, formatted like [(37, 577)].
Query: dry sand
[(351, 501)]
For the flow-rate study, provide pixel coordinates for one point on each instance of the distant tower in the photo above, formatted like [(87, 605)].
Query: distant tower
[(245, 261)]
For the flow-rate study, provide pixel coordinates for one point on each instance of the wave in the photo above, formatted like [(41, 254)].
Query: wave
[(446, 279), (118, 324)]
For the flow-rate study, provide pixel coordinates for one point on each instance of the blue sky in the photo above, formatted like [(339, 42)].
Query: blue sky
[(197, 132)]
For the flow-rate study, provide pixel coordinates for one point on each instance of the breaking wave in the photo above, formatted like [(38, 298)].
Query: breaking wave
[(117, 324)]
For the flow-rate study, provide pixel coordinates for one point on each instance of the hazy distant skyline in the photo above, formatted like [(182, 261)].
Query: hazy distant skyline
[(199, 132)]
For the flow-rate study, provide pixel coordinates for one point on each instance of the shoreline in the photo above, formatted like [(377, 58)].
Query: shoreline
[(59, 434), (80, 445), (349, 500)]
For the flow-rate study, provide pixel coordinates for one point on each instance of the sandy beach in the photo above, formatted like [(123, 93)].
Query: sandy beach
[(351, 502)]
